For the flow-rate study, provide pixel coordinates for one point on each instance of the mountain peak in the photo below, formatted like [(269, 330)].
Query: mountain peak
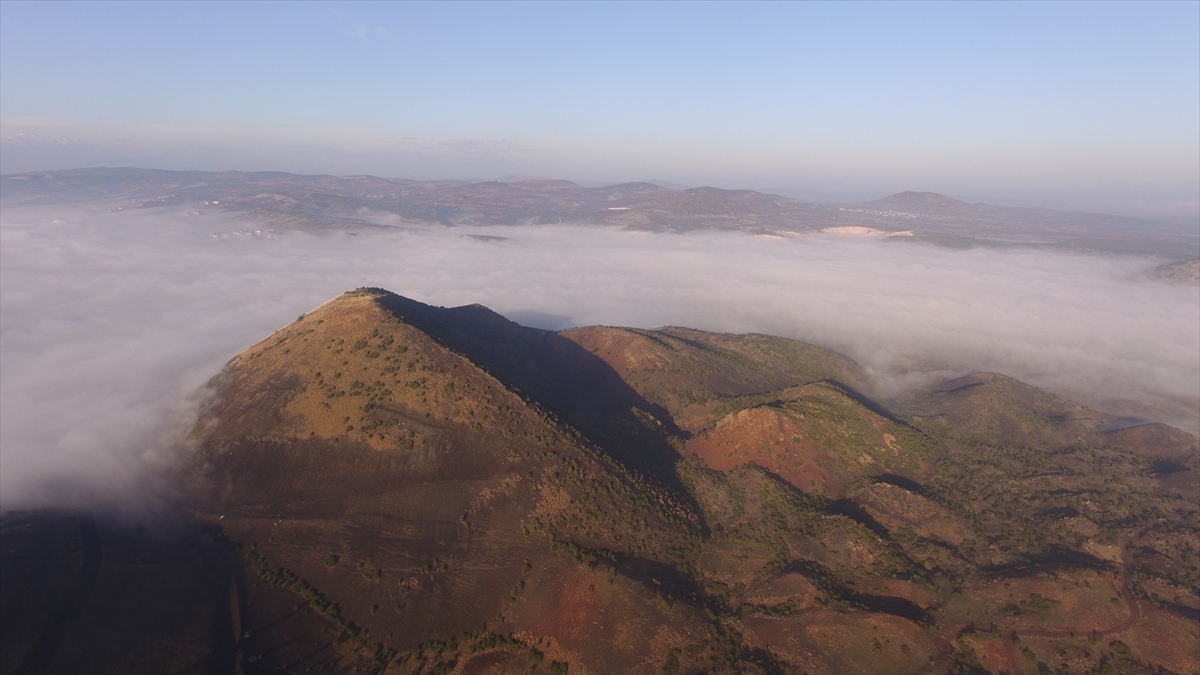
[(920, 200), (412, 488)]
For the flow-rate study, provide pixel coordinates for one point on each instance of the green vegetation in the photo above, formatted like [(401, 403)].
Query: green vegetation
[(281, 578), (984, 508)]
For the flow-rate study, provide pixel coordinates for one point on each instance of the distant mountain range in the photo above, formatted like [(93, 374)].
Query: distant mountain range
[(283, 200), (384, 486)]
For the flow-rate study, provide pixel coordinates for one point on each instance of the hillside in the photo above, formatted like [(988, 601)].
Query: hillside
[(282, 201), (442, 494), (384, 486)]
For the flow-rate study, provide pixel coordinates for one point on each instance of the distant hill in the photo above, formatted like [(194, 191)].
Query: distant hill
[(384, 486), (921, 202), (290, 201), (939, 219)]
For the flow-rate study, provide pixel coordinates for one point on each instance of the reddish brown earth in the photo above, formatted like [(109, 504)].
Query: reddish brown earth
[(383, 486), (816, 437)]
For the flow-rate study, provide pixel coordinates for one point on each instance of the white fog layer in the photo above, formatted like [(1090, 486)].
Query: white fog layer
[(111, 321)]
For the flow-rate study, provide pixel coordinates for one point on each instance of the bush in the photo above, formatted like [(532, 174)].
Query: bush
[(330, 560), (671, 667)]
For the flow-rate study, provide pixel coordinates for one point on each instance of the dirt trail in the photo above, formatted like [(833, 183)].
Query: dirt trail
[(44, 649), (1135, 611)]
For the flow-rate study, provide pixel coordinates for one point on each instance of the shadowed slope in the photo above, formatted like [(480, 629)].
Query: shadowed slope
[(576, 385), (384, 470), (85, 594)]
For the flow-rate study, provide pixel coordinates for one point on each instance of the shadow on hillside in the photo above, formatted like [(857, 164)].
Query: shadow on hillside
[(85, 593), (856, 396), (902, 482), (852, 510), (564, 378), (1053, 559)]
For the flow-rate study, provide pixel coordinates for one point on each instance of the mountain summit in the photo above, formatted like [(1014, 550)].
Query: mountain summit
[(385, 486)]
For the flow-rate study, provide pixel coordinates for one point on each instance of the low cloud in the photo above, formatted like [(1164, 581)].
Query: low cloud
[(112, 321)]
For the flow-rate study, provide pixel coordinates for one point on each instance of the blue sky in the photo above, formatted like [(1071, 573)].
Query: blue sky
[(1092, 105)]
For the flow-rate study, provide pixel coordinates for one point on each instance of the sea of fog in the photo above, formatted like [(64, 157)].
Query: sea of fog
[(112, 321)]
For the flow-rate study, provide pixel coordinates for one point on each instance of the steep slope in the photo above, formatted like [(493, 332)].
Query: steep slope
[(457, 470), (550, 368), (391, 474), (383, 486)]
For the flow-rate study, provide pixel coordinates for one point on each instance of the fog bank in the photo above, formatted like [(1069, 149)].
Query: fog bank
[(111, 321)]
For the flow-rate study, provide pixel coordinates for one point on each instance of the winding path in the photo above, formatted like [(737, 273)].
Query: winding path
[(1135, 611)]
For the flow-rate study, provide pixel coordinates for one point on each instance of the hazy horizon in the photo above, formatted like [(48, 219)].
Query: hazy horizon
[(1082, 107), (815, 399), (112, 320)]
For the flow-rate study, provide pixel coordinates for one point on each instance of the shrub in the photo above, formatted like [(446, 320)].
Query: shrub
[(671, 667)]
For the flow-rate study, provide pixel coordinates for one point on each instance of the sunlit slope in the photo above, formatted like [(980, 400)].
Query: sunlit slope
[(1064, 516), (810, 586), (426, 489), (427, 501), (1155, 440), (1021, 513), (700, 377), (819, 437), (992, 407)]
